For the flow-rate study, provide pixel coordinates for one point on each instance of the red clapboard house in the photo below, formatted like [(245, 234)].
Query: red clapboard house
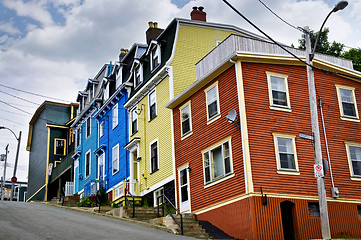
[(254, 178)]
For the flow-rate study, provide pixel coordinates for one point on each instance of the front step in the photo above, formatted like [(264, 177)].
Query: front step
[(140, 213)]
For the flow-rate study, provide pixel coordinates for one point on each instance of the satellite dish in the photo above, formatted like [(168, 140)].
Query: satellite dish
[(232, 116)]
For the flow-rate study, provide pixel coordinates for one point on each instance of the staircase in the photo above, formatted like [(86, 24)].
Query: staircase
[(70, 201), (192, 228), (141, 213)]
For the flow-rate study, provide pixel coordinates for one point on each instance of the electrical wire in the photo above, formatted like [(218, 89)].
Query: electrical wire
[(289, 52), (19, 98), (297, 28), (35, 94), (15, 107)]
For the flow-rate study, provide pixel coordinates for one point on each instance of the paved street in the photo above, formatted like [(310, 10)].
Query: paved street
[(36, 221)]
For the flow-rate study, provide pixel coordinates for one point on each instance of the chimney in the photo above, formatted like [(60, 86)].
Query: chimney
[(153, 31), (198, 14), (123, 52)]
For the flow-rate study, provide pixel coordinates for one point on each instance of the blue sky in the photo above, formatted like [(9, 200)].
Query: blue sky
[(51, 47)]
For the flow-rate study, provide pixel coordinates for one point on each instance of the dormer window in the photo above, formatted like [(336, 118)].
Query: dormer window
[(91, 93), (155, 56), (138, 78)]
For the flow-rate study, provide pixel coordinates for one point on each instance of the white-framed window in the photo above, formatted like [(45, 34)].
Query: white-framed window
[(87, 164), (101, 129), (115, 115), (152, 101), (155, 56), (212, 100), (185, 118), (157, 193), (138, 75), (278, 91), (88, 127), (101, 159), (347, 102), (354, 159), (154, 159), (217, 161), (286, 157), (115, 159), (134, 119)]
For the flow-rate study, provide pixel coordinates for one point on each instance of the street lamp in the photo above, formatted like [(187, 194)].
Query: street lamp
[(16, 160), (325, 225)]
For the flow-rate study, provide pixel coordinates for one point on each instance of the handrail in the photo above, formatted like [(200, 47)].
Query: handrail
[(164, 207), (127, 200)]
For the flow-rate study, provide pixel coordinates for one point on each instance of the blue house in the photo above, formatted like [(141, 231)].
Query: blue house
[(112, 118), (86, 131)]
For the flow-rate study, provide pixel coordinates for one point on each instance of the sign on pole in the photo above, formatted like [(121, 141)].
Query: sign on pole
[(318, 170), (50, 168)]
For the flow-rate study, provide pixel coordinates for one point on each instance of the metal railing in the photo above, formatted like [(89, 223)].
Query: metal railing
[(126, 190), (165, 207)]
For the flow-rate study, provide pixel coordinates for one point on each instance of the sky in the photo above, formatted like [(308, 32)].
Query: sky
[(50, 48)]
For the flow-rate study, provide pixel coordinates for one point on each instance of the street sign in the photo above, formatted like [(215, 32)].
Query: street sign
[(305, 136), (318, 169), (14, 179), (50, 168)]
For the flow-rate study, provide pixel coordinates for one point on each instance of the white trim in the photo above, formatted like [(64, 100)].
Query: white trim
[(156, 112), (157, 185), (184, 135), (343, 116), (88, 134), (281, 170), (217, 116), (115, 116), (349, 160), (90, 160), (117, 170), (270, 95), (101, 127), (188, 202), (134, 110)]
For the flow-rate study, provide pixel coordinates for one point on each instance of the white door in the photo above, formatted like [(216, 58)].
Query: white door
[(184, 189)]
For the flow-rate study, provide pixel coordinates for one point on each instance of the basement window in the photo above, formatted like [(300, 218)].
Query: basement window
[(314, 209)]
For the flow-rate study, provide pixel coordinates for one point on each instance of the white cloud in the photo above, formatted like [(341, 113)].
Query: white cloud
[(9, 28), (32, 9)]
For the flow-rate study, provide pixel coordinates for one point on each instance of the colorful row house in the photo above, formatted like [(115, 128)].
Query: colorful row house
[(239, 161), (165, 70), (50, 145)]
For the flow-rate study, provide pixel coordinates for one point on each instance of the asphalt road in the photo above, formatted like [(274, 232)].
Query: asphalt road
[(35, 221)]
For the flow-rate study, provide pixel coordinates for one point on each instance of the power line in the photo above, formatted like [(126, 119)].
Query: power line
[(15, 107), (35, 94), (297, 28), (19, 98)]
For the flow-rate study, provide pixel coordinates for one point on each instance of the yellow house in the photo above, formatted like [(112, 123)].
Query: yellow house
[(165, 70)]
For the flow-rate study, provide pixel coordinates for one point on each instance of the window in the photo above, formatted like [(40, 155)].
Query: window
[(314, 209), (78, 135), (88, 127), (138, 78), (185, 116), (359, 211), (155, 56), (115, 116), (87, 164), (134, 117), (217, 162), (347, 102), (152, 105), (285, 153), (59, 146), (354, 159), (101, 129), (154, 166), (278, 90), (101, 167), (115, 159), (212, 102)]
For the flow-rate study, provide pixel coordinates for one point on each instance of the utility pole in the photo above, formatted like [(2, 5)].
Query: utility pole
[(3, 182), (325, 225), (15, 167)]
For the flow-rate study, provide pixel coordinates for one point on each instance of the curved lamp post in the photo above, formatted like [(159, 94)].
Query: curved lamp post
[(325, 225), (16, 159)]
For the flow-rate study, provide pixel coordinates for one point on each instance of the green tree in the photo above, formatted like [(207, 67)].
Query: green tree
[(334, 49), (354, 54)]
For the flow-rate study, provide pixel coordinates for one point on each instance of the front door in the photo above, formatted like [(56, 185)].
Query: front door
[(287, 220), (184, 189), (134, 178)]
